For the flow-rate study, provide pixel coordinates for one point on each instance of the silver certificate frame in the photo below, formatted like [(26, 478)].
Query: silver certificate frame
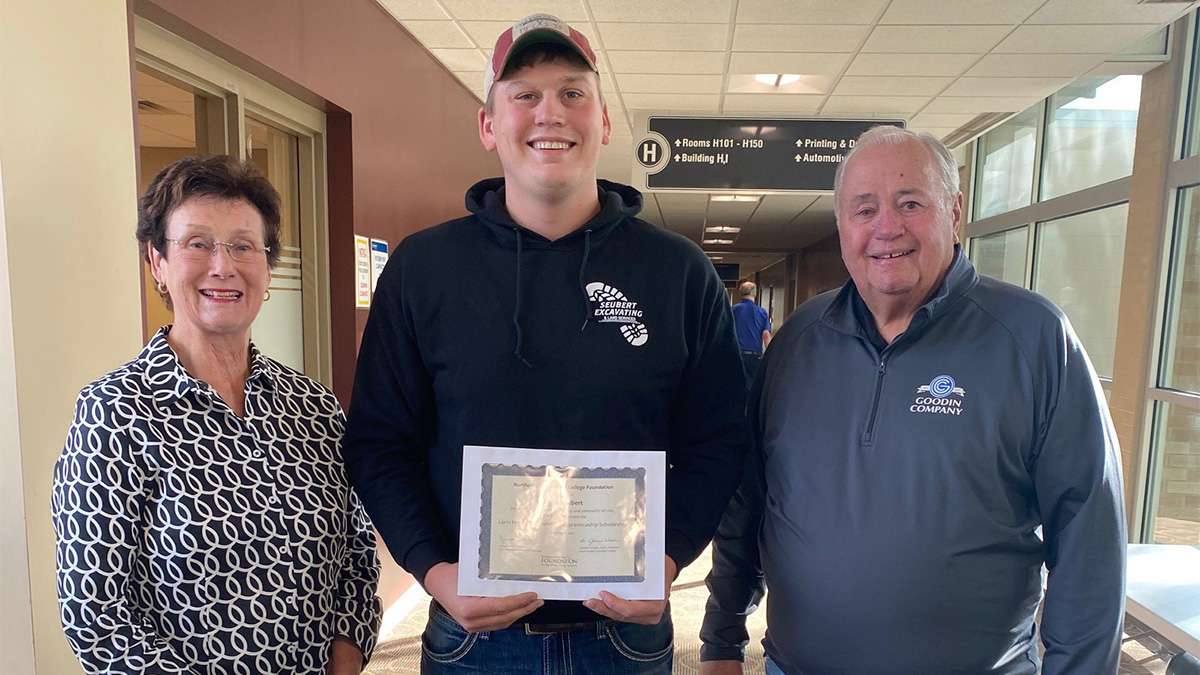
[(565, 524)]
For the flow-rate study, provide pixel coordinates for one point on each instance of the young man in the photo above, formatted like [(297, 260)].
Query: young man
[(551, 317)]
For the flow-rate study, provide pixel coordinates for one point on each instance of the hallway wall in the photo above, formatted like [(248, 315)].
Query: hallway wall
[(70, 307)]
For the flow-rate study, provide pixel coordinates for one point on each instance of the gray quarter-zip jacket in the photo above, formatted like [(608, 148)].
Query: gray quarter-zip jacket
[(893, 497)]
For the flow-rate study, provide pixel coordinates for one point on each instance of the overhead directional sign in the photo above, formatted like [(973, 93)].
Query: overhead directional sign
[(741, 153)]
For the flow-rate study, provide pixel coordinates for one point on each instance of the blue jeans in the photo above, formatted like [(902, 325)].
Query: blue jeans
[(607, 648), (771, 667)]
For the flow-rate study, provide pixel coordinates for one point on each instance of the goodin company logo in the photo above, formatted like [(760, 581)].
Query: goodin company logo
[(942, 396), (610, 305)]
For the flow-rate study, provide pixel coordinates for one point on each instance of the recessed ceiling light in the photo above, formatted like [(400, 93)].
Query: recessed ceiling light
[(777, 79), (731, 229), (734, 198), (718, 241), (716, 257)]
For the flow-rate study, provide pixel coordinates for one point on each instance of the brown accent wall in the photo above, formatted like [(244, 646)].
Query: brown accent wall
[(819, 268), (401, 138), (401, 131)]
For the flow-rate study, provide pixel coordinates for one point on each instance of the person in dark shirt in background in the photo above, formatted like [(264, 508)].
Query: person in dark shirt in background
[(498, 329), (753, 328)]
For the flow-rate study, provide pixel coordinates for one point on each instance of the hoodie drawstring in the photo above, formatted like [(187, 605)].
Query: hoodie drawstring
[(587, 307), (517, 308)]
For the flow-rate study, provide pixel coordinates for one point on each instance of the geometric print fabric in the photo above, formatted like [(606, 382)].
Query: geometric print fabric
[(191, 540)]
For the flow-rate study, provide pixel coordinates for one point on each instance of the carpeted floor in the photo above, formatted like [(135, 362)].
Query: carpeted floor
[(1143, 652)]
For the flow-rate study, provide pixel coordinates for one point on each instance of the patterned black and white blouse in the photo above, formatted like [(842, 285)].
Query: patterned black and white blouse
[(191, 540)]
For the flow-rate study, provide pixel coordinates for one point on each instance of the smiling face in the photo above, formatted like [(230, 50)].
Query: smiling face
[(896, 225), (547, 124), (212, 296)]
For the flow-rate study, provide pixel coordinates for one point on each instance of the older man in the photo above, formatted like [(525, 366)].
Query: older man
[(925, 440)]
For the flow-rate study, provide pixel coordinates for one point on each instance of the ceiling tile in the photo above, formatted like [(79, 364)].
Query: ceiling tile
[(937, 132), (892, 86), (925, 120), (1115, 68), (911, 65), (484, 33), (979, 104), (440, 34), (874, 104), (792, 104), (511, 10), (1034, 65), (775, 208), (730, 213), (1075, 39), (799, 63), (1008, 12), (938, 39), (473, 81), (669, 84), (1007, 86), (1106, 11), (671, 101), (405, 10), (669, 11), (775, 38), (807, 84), (705, 37), (809, 11), (461, 59), (708, 63)]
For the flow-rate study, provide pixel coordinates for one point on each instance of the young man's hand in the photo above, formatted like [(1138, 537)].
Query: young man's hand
[(647, 612), (474, 613)]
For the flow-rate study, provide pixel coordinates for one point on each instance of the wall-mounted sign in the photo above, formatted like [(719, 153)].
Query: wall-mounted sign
[(740, 153), (362, 271), (379, 258)]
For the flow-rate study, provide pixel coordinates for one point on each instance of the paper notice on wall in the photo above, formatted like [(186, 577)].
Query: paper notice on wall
[(362, 271), (379, 258)]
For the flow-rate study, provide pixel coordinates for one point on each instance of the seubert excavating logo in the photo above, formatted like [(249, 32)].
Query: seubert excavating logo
[(942, 396), (609, 305)]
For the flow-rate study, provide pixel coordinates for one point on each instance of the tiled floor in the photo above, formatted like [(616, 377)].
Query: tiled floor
[(1142, 653)]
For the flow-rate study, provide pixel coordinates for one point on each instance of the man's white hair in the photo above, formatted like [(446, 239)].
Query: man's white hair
[(945, 169)]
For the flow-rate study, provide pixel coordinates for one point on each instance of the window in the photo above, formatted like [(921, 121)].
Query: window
[(1078, 266), (1175, 498), (1005, 165), (1002, 255), (1192, 95), (1181, 367), (1090, 133)]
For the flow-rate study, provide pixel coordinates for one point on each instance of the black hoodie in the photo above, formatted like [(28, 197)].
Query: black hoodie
[(618, 336)]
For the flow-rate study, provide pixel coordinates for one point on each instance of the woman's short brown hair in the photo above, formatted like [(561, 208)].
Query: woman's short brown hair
[(218, 176)]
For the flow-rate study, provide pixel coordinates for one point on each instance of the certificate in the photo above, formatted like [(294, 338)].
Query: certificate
[(564, 524)]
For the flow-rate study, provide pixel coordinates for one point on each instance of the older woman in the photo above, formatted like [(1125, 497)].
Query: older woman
[(203, 518)]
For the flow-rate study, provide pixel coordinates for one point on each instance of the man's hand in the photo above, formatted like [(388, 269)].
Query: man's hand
[(344, 658), (471, 612), (635, 611), (720, 668)]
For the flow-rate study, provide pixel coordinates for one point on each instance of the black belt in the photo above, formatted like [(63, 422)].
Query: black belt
[(555, 628)]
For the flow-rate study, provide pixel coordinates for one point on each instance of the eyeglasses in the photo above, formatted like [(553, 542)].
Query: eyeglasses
[(200, 249)]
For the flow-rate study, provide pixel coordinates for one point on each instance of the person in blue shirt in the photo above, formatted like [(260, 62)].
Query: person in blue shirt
[(753, 327)]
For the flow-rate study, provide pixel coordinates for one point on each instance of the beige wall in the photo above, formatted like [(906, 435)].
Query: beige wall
[(71, 281), (16, 622)]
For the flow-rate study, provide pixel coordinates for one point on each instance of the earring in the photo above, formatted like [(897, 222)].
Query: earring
[(267, 295), (160, 287)]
